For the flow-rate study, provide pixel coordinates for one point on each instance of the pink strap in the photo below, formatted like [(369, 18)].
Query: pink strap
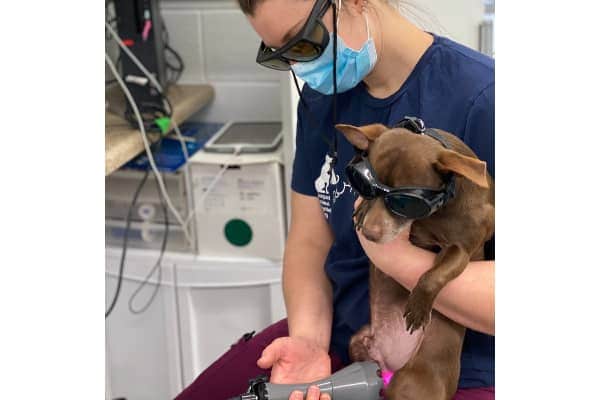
[(146, 31)]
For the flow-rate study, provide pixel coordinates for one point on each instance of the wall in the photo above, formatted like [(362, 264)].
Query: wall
[(219, 46), (456, 19)]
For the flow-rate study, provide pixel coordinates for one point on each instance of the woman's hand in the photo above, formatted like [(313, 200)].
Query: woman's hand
[(297, 360)]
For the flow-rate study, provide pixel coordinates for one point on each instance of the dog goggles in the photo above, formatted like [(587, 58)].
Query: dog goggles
[(407, 202), (306, 45)]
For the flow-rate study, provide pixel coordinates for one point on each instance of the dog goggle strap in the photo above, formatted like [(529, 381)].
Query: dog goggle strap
[(417, 125)]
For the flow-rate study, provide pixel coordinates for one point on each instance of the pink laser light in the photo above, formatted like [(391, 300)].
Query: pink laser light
[(386, 377)]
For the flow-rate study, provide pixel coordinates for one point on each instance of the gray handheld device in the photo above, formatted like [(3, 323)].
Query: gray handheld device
[(358, 381)]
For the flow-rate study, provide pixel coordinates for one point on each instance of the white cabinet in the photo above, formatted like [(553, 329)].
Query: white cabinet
[(220, 300), (142, 350), (202, 307)]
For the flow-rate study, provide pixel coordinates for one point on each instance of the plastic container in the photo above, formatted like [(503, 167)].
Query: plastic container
[(243, 215), (147, 227)]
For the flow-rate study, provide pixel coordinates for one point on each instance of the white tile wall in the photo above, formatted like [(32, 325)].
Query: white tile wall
[(219, 46), (252, 101), (185, 36), (456, 19), (230, 46)]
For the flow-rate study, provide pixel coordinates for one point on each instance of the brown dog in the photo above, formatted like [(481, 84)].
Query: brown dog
[(426, 361)]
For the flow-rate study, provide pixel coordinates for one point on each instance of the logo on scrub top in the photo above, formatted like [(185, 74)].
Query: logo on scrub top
[(329, 183)]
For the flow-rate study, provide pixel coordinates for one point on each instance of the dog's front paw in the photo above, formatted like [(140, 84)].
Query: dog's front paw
[(360, 213), (417, 313)]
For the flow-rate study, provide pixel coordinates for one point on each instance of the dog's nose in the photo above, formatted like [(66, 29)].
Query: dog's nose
[(372, 233)]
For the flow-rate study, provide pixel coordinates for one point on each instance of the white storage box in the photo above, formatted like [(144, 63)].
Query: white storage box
[(243, 215), (147, 226)]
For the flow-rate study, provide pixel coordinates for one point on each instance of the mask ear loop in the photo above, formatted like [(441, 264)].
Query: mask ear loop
[(364, 9)]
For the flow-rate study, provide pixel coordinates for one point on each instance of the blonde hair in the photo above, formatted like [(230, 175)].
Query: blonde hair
[(419, 15)]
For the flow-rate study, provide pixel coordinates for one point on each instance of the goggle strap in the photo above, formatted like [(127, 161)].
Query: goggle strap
[(298, 89), (436, 136), (332, 145), (334, 100)]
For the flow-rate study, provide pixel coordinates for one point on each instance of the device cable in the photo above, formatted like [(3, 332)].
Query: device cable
[(147, 147), (213, 183), (157, 265), (125, 240), (159, 88)]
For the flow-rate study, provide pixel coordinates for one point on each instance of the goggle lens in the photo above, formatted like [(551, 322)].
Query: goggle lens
[(406, 206), (276, 63), (360, 183), (307, 48), (302, 51)]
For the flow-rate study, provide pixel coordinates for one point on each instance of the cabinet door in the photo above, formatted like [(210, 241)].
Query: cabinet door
[(219, 301), (142, 350)]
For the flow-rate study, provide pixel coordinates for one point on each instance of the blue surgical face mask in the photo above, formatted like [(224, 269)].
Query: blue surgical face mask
[(352, 66)]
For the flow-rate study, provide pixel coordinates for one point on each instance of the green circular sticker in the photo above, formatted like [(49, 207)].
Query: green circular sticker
[(238, 232)]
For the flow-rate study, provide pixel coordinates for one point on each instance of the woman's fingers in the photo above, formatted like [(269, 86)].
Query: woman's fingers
[(296, 395), (270, 355), (313, 393)]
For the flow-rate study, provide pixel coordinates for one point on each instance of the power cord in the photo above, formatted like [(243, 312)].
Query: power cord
[(177, 70), (213, 183), (157, 265), (125, 240), (159, 88), (147, 144), (154, 82)]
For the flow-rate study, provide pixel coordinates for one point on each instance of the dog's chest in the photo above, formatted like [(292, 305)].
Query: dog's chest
[(392, 345)]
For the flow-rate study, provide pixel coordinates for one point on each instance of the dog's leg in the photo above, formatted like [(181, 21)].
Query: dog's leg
[(417, 383), (360, 213), (360, 344), (449, 263)]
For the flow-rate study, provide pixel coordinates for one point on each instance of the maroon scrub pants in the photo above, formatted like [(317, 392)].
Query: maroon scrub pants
[(228, 376)]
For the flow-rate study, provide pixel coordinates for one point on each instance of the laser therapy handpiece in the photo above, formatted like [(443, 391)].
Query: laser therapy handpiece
[(358, 381)]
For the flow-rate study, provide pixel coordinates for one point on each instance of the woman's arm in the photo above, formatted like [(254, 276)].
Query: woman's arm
[(468, 299), (306, 288)]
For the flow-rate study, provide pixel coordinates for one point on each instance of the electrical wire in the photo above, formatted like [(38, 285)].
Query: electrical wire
[(177, 70), (133, 58), (157, 265), (213, 183), (159, 88), (139, 64), (125, 240), (163, 194), (147, 146)]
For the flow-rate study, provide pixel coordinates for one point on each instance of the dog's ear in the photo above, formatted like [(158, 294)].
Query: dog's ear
[(360, 136), (469, 167)]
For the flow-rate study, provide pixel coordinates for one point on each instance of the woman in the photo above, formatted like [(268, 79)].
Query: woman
[(387, 68)]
